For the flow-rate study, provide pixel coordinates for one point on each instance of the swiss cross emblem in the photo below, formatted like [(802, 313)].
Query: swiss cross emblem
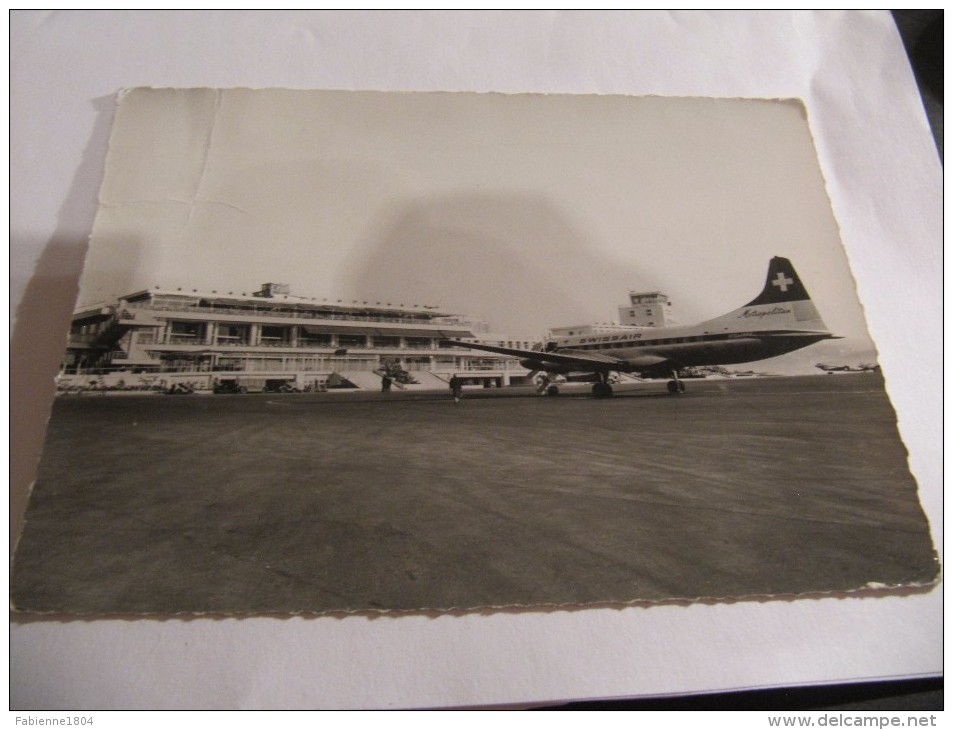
[(782, 281)]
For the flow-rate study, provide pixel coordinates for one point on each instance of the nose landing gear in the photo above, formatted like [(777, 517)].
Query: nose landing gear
[(675, 385), (602, 389)]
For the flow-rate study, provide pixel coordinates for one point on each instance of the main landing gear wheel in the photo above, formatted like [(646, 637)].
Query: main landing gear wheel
[(552, 390), (602, 390), (676, 386)]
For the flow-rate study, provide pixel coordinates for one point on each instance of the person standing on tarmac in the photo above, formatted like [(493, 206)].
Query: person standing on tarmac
[(456, 388)]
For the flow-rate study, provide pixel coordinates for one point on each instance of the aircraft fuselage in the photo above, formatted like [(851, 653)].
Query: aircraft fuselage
[(781, 319)]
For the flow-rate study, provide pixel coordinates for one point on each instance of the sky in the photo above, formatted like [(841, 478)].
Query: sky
[(528, 211)]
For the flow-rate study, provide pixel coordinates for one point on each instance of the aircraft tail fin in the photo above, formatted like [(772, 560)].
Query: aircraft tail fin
[(782, 303), (782, 285)]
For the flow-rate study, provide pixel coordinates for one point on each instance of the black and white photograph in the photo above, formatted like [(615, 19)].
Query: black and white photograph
[(342, 352)]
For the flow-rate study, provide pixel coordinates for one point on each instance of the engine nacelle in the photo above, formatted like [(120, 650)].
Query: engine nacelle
[(549, 368)]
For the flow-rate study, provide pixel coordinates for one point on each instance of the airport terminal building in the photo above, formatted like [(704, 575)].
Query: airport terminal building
[(271, 340)]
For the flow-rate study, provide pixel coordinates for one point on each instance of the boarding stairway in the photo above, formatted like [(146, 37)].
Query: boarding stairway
[(427, 380), (371, 380), (362, 379)]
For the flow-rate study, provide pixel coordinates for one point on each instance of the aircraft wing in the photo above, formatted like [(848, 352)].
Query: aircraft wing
[(584, 361)]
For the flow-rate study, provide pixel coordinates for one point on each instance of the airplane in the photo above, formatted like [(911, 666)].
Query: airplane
[(864, 367), (781, 319)]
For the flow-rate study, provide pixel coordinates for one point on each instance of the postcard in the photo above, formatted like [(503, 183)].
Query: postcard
[(342, 352)]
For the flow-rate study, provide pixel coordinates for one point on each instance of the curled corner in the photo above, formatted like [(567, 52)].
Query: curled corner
[(799, 104)]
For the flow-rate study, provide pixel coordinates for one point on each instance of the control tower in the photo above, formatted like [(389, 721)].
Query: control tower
[(646, 309)]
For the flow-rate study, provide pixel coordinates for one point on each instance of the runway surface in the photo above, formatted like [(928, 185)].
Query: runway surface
[(369, 501)]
